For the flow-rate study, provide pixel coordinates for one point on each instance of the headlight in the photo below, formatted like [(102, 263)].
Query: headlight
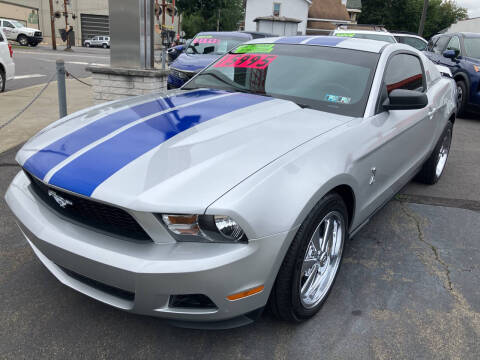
[(204, 228)]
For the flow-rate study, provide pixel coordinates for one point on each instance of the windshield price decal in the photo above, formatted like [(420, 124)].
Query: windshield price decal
[(253, 61), (255, 48), (206, 41)]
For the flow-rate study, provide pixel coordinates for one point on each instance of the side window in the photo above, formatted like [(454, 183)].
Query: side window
[(440, 45), (454, 44), (414, 42), (7, 24), (1, 37), (404, 72)]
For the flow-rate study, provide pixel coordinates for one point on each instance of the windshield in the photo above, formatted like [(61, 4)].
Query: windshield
[(472, 47), (216, 44), (17, 24), (324, 78)]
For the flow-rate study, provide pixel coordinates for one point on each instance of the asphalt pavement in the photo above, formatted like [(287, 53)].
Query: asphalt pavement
[(409, 288), (35, 65)]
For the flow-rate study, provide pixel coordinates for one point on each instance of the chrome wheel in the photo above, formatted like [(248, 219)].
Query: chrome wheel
[(322, 259), (459, 94), (443, 154), (23, 41)]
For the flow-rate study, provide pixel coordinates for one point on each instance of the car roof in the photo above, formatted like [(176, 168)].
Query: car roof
[(368, 45), (464, 34)]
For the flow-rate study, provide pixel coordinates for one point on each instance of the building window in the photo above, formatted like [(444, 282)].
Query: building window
[(276, 9)]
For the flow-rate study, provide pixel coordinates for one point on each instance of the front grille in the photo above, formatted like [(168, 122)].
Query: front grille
[(91, 213), (38, 33)]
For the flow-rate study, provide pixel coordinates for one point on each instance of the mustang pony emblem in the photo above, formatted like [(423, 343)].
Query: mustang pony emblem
[(60, 200)]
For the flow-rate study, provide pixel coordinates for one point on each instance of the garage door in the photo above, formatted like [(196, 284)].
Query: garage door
[(94, 25)]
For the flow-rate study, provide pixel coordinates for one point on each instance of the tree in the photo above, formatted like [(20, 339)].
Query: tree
[(405, 15), (203, 15)]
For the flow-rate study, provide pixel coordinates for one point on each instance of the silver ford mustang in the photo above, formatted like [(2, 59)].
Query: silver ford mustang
[(242, 188)]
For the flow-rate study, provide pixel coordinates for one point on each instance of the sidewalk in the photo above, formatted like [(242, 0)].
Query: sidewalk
[(43, 112)]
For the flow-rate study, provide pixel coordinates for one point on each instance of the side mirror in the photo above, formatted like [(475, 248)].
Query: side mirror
[(405, 100), (451, 54)]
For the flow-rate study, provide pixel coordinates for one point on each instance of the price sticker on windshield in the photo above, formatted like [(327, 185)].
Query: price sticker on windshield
[(252, 61), (206, 41)]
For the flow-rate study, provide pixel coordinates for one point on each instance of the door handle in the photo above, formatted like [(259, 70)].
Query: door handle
[(431, 113)]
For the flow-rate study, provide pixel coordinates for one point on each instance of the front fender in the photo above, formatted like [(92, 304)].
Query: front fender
[(278, 197)]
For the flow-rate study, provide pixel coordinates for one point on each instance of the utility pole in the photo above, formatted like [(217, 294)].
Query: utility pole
[(164, 7), (52, 27), (424, 18), (218, 20), (65, 14)]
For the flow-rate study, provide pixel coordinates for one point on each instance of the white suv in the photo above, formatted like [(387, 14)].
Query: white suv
[(7, 66), (98, 41), (16, 31)]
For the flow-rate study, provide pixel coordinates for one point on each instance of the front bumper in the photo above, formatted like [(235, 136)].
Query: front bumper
[(34, 39), (141, 277)]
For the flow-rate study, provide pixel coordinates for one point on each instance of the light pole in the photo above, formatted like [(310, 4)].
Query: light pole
[(424, 17)]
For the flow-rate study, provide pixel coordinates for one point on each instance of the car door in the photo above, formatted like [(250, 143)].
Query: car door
[(400, 140), (9, 30)]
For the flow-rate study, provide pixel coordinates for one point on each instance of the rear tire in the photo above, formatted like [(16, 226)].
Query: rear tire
[(22, 40), (312, 262), (105, 46), (3, 80), (433, 168), (462, 93)]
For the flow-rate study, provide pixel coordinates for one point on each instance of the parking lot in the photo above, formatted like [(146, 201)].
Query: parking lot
[(409, 288)]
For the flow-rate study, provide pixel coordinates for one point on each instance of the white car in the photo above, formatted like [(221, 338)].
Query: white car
[(411, 39), (239, 189), (7, 66), (366, 34), (98, 41), (16, 31)]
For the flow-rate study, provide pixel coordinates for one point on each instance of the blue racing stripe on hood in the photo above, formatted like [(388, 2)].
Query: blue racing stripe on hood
[(326, 40), (85, 173), (46, 159)]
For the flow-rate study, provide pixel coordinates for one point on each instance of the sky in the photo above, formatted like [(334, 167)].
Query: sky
[(473, 7)]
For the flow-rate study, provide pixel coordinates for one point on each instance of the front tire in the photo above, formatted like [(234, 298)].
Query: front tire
[(433, 168), (22, 40), (87, 45), (3, 80), (462, 93), (311, 264)]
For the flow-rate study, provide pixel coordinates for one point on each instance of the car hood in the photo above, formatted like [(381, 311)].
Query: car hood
[(193, 62), (29, 29), (177, 154), (473, 60)]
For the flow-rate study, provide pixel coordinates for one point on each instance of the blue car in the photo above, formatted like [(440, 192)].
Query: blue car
[(205, 48), (461, 53)]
